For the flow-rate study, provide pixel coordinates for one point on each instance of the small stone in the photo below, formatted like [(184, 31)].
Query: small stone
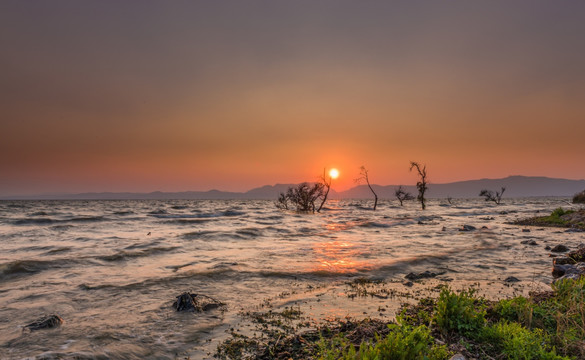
[(547, 247), (560, 248), (467, 228), (528, 242), (525, 230), (444, 228), (511, 279), (408, 283), (457, 357)]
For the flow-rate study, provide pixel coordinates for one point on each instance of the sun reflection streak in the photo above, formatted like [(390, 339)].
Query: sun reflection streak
[(339, 257)]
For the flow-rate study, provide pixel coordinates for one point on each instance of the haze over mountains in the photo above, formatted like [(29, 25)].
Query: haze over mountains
[(516, 186)]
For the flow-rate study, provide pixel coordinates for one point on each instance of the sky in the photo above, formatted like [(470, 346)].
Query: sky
[(231, 95)]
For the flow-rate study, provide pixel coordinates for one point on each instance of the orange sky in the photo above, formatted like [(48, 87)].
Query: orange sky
[(196, 95)]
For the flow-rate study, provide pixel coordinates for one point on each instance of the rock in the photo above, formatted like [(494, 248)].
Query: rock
[(569, 271), (424, 275), (560, 248), (547, 247), (444, 228), (577, 255), (195, 302), (185, 302), (525, 230), (408, 283), (457, 357), (564, 260), (484, 227), (46, 322), (467, 228), (511, 279), (574, 230), (528, 242)]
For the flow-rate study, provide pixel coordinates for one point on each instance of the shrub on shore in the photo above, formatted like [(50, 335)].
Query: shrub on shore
[(548, 325), (579, 198)]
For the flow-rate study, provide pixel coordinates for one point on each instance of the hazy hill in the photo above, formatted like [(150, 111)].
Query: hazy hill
[(516, 186)]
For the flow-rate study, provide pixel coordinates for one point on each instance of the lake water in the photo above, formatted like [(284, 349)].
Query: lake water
[(111, 269)]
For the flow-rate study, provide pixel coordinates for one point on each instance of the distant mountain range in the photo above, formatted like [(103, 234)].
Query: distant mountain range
[(516, 186)]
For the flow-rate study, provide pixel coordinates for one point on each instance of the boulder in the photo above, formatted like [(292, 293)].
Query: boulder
[(577, 255), (568, 271), (560, 248), (195, 302), (46, 322)]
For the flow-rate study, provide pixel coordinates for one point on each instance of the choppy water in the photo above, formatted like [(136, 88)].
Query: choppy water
[(111, 269)]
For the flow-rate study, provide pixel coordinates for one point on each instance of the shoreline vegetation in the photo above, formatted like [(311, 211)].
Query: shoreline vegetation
[(573, 219), (456, 324)]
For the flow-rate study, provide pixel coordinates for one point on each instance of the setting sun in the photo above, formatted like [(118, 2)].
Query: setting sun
[(334, 173)]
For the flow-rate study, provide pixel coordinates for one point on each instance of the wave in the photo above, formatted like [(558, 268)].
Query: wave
[(250, 232), (46, 221), (199, 234), (189, 220), (375, 224), (34, 221), (124, 212), (219, 274), (227, 213), (30, 267), (124, 255)]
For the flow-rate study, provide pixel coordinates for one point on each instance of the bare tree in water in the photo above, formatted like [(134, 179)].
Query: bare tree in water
[(493, 196), (402, 195), (422, 184), (326, 185), (364, 176), (303, 197)]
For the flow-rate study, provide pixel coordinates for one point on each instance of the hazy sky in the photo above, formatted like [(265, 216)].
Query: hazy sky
[(195, 95)]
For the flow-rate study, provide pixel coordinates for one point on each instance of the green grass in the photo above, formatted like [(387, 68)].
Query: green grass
[(546, 326), (403, 342), (555, 219)]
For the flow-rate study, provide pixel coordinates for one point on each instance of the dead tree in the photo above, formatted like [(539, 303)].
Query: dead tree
[(326, 185), (364, 176), (422, 184), (303, 197), (493, 196), (402, 195)]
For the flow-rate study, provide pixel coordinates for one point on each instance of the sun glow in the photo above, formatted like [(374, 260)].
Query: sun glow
[(334, 173)]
